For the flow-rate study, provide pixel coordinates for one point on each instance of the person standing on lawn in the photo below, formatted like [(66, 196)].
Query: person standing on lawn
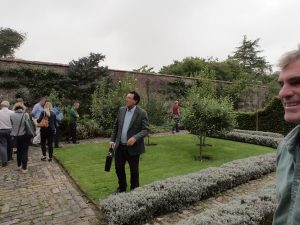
[(288, 155), (175, 116), (127, 140)]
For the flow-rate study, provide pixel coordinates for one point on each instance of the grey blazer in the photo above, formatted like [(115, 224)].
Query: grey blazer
[(138, 128)]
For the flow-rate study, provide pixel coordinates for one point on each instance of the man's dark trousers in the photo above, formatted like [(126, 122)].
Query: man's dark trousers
[(121, 156)]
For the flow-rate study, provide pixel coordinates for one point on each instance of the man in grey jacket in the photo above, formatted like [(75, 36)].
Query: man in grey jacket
[(127, 139)]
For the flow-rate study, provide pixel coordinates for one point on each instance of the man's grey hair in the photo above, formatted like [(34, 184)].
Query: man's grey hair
[(5, 104), (288, 58)]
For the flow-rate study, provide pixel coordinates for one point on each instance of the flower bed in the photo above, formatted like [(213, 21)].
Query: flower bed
[(253, 137), (257, 208), (177, 193)]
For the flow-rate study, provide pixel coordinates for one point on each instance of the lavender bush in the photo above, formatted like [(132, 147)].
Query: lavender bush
[(252, 137), (254, 209), (179, 192)]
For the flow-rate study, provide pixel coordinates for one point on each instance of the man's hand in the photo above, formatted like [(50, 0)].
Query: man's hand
[(111, 145), (131, 141)]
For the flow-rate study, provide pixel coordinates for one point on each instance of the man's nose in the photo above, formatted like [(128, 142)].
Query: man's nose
[(286, 91)]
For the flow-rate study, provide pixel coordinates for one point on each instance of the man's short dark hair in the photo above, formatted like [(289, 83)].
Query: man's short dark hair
[(136, 96)]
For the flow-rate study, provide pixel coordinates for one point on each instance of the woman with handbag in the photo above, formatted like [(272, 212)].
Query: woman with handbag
[(47, 123), (18, 120)]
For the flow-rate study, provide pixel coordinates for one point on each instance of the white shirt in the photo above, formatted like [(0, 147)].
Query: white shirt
[(5, 118)]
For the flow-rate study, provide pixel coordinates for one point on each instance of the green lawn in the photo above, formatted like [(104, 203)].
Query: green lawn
[(172, 156)]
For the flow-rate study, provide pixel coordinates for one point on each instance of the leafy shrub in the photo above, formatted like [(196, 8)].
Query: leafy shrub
[(256, 208), (270, 119), (178, 192), (107, 100)]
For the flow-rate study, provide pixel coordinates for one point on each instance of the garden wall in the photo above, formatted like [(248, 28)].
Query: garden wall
[(150, 82)]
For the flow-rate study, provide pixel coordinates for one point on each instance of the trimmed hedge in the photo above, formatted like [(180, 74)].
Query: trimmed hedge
[(177, 193), (256, 209), (252, 137), (270, 119)]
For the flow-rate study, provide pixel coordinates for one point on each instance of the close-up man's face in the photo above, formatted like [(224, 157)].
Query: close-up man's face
[(289, 81), (130, 102)]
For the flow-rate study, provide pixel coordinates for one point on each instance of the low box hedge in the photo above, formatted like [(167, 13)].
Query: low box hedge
[(179, 192), (253, 137), (253, 209)]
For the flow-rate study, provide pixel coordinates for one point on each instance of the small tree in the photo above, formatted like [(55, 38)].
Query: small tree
[(204, 115), (83, 77), (107, 100), (10, 40)]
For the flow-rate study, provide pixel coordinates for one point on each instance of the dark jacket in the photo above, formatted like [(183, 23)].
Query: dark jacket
[(51, 119), (138, 128)]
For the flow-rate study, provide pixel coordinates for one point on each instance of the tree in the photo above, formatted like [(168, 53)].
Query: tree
[(247, 55), (187, 67), (145, 69), (83, 77), (205, 114), (10, 40)]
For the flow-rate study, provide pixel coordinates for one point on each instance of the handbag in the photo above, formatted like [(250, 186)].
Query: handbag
[(29, 128), (109, 159), (44, 122)]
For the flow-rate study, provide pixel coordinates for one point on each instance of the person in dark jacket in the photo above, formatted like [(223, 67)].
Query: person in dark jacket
[(18, 132), (47, 133)]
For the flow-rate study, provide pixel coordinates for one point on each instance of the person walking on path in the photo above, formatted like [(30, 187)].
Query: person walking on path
[(175, 116), (127, 140), (18, 132), (36, 112), (47, 132), (59, 116), (288, 152), (5, 130), (73, 124)]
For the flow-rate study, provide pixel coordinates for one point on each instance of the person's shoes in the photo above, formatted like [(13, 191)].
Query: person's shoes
[(76, 142), (119, 190), (50, 160), (4, 164), (44, 158), (20, 167), (24, 171)]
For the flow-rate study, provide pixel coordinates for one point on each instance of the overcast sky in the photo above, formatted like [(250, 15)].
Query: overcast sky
[(133, 33)]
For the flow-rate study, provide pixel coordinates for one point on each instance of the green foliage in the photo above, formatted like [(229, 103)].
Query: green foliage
[(9, 84), (83, 78), (270, 119), (187, 67), (145, 69), (106, 101), (54, 97), (10, 40), (203, 115), (247, 55), (177, 89), (156, 108)]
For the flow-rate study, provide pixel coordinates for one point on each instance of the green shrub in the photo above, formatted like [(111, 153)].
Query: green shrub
[(270, 119)]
